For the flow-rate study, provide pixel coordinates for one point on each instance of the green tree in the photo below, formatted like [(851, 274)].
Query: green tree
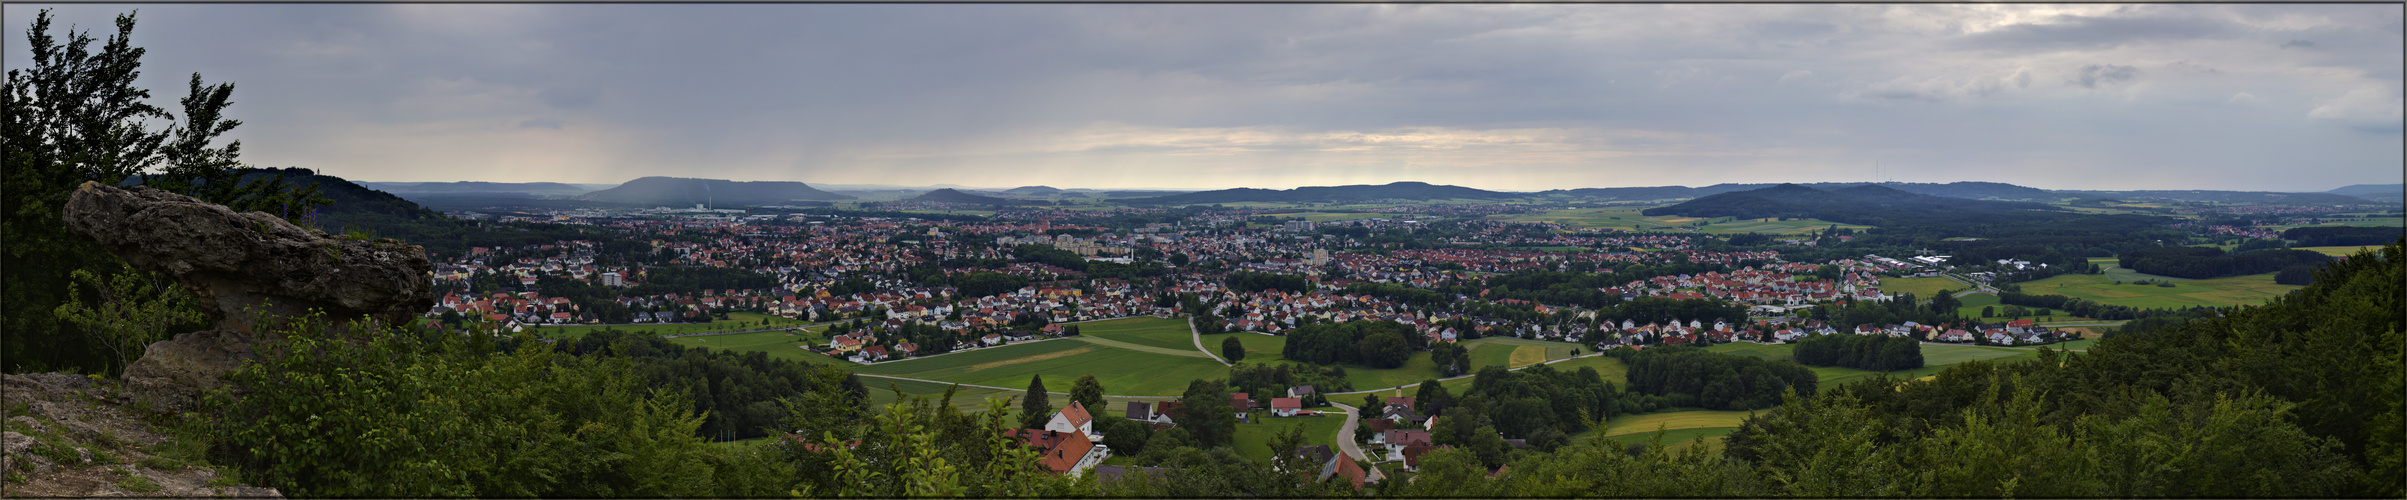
[(1035, 406), (1431, 398), (1088, 392), (1384, 350), (1205, 414), (1232, 349)]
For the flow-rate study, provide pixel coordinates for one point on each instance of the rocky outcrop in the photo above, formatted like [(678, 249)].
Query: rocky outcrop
[(241, 267), (72, 436)]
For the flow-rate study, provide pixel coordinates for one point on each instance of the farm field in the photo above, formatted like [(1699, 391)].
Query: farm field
[(1514, 353), (2114, 271), (778, 344), (1122, 371), (1612, 370), (1922, 288), (1259, 348), (1679, 426), (1253, 440), (734, 321), (968, 399), (1151, 331), (2252, 289), (1675, 439)]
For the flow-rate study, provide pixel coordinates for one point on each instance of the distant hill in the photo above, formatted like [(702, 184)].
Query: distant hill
[(678, 191), (468, 187), (1967, 190), (1033, 190), (1868, 204), (2258, 197), (355, 207), (956, 196), (1327, 194), (2377, 192)]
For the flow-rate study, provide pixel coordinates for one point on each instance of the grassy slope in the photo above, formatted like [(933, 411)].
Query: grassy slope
[(1156, 332), (780, 345)]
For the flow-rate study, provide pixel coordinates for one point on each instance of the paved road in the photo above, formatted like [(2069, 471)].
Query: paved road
[(1345, 439), (1199, 344)]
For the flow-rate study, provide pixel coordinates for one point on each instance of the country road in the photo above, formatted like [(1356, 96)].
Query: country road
[(1345, 439), (1199, 344)]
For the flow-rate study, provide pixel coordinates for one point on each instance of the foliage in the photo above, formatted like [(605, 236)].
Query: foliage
[(736, 393), (1686, 376), (2210, 262), (1204, 413), (1880, 353), (1232, 350), (691, 280), (918, 447), (353, 411), (1375, 343), (1088, 392), (2341, 236), (135, 309), (1256, 282), (1035, 408)]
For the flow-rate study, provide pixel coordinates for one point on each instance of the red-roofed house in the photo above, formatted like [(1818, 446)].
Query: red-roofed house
[(1286, 407), (1074, 418), (1062, 452)]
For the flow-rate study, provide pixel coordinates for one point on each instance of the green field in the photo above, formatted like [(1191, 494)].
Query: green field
[(1514, 352), (1612, 370), (1253, 440), (2115, 272), (1316, 216), (734, 322), (1922, 288), (778, 344), (1676, 438), (1680, 426), (1151, 331), (2252, 289), (1122, 370), (1259, 348)]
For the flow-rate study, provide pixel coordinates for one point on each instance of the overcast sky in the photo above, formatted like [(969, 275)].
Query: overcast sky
[(1503, 97)]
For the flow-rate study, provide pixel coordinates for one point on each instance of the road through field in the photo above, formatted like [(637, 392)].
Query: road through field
[(1199, 344), (1345, 440)]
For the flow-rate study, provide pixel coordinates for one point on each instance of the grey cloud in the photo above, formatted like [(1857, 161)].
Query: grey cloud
[(568, 98), (2090, 76), (2069, 32), (550, 123), (2304, 44)]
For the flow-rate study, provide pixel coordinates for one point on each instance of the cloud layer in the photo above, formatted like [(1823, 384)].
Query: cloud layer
[(1509, 97)]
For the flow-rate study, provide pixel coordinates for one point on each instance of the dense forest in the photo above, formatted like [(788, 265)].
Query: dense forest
[(2210, 262), (1685, 376), (1880, 353), (1377, 344), (2342, 236)]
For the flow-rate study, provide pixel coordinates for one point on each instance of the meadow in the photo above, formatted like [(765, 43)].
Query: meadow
[(2340, 251), (1922, 288), (1122, 370), (1514, 352), (2251, 289)]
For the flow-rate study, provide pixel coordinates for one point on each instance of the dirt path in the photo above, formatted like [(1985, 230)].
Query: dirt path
[(1345, 440), (1199, 344), (1139, 347)]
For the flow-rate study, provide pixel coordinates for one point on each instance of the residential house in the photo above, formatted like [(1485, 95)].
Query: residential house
[(1074, 418), (1062, 452), (1286, 407)]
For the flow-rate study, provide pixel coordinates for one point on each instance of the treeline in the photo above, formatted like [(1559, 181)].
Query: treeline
[(1685, 376), (1902, 308), (2210, 262), (1880, 353), (692, 280), (1377, 344), (1539, 404), (1244, 282), (2333, 236), (1579, 288), (599, 301)]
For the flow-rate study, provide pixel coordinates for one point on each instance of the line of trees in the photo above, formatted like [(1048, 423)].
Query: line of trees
[(1880, 353), (2210, 262), (2343, 236), (2089, 308), (1686, 376)]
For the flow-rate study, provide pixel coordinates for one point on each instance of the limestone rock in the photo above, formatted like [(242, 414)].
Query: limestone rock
[(237, 261), (239, 267)]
